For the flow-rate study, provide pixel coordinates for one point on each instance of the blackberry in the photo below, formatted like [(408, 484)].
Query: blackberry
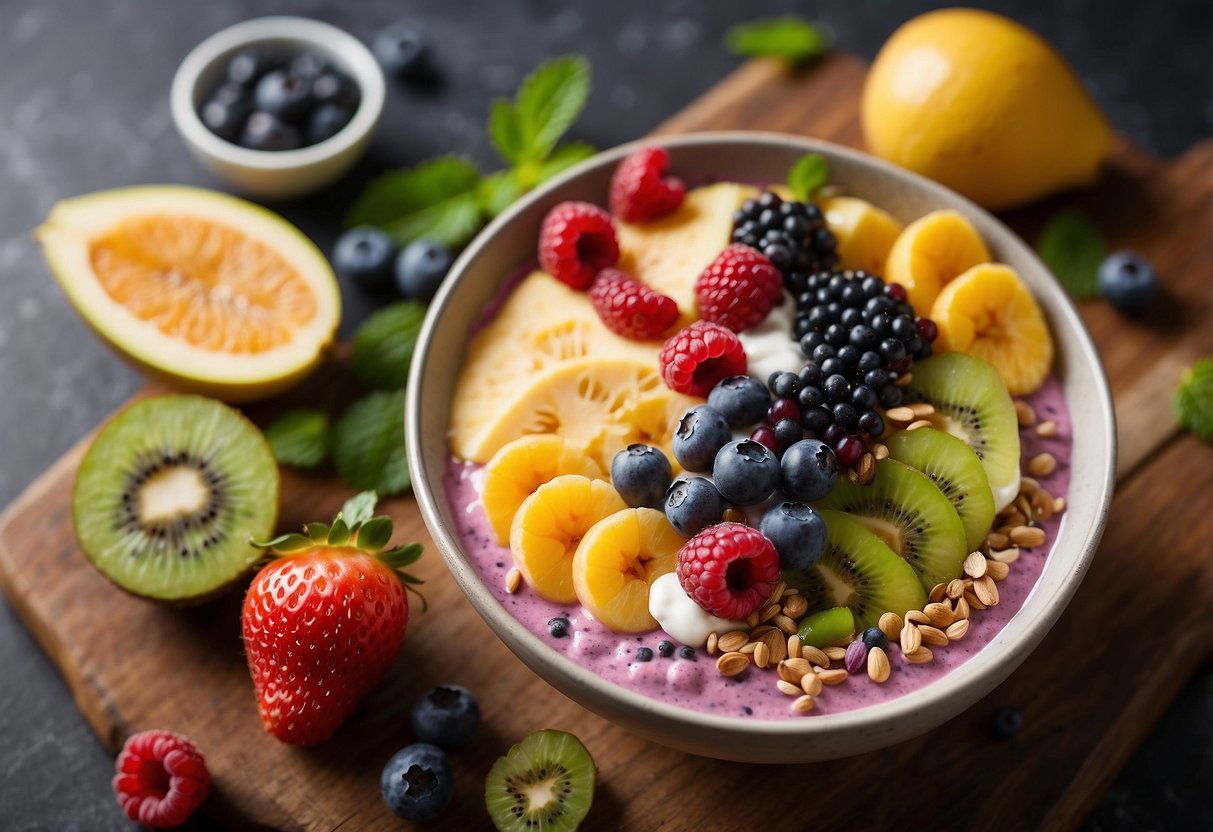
[(792, 235)]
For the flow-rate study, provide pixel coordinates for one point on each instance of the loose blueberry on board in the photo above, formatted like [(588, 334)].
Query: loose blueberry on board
[(746, 472), (1007, 722), (417, 783), (247, 66), (742, 400), (365, 256), (264, 131), (446, 716), (282, 94), (641, 474), (225, 112), (644, 654), (809, 470), (875, 637), (420, 268), (701, 433), (1127, 281), (797, 532), (665, 649), (692, 504), (402, 49), (324, 122)]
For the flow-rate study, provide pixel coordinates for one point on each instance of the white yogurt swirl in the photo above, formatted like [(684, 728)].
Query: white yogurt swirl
[(681, 617)]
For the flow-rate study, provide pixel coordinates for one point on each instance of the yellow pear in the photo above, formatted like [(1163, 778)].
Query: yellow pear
[(983, 105)]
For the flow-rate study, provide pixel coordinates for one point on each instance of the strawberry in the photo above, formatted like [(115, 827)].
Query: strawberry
[(324, 620)]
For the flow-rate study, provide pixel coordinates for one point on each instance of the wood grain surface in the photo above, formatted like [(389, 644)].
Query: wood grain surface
[(1133, 634)]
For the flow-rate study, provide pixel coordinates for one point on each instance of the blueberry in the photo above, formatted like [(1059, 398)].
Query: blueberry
[(641, 474), (870, 423), (364, 256), (644, 654), (308, 65), (700, 434), (1127, 281), (817, 419), (787, 433), (810, 397), (447, 716), (784, 385), (558, 627), (746, 472), (402, 49), (875, 637), (742, 400), (892, 350), (797, 532), (225, 112), (665, 648), (335, 87), (1007, 722), (810, 470), (324, 122), (420, 268), (846, 415), (687, 652), (264, 131), (284, 95), (692, 504), (417, 783), (837, 388), (247, 67)]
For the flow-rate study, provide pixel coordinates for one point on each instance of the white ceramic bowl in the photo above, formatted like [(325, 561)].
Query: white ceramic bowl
[(277, 174), (510, 241)]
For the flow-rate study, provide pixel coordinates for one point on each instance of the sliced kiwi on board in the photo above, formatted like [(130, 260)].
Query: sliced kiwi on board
[(910, 514), (955, 470), (858, 571), (976, 408), (170, 493), (546, 782)]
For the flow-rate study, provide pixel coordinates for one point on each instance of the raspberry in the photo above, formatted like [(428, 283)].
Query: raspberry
[(576, 242), (694, 359), (629, 308), (640, 190), (738, 289), (161, 779), (728, 569)]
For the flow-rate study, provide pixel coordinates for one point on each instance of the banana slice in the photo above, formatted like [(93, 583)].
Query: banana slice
[(930, 253), (522, 466)]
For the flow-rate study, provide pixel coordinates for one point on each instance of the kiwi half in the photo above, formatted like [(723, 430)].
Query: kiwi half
[(546, 782), (955, 470), (976, 408), (169, 495), (858, 571), (913, 518)]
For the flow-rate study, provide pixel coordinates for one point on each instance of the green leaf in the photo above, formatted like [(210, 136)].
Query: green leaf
[(299, 438), (505, 130), (1073, 247), (563, 158), (374, 534), (808, 176), (383, 345), (339, 533), (1194, 399), (548, 102), (436, 199), (368, 444), (790, 38), (498, 191), (359, 508), (293, 542), (402, 556)]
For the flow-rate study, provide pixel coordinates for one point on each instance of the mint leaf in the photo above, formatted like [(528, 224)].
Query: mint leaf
[(808, 176), (1194, 399), (498, 192), (789, 38), (299, 438), (548, 102), (368, 444), (383, 345), (436, 199), (505, 131), (563, 158), (359, 508), (1073, 247)]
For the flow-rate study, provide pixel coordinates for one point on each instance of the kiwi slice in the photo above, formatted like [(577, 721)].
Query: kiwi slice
[(955, 470), (858, 571), (546, 782), (170, 493), (911, 515), (821, 629), (976, 408)]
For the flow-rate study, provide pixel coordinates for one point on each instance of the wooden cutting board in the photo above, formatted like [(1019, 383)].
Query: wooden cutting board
[(1134, 633)]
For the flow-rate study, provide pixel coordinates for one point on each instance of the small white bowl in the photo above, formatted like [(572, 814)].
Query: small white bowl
[(277, 174)]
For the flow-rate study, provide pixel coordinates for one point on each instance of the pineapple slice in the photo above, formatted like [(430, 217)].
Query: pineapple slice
[(931, 252)]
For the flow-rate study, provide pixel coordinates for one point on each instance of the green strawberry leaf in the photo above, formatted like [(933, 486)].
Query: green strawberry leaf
[(383, 345), (374, 534), (339, 532), (789, 38), (436, 199), (548, 102), (299, 438), (1194, 399), (1073, 247), (292, 542), (368, 444), (402, 556), (318, 532), (808, 176), (359, 508)]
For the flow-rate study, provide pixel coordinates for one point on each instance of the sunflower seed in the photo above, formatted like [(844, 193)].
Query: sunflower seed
[(810, 683), (1047, 429), (937, 593), (1024, 414), (899, 414), (975, 564), (814, 655), (917, 617), (762, 655), (785, 624), (920, 656), (957, 630), (878, 665), (880, 451), (793, 647), (730, 664), (940, 614), (890, 625), (513, 581), (956, 588), (997, 570), (932, 636), (793, 670), (795, 607), (832, 677), (911, 639), (836, 654), (986, 591), (732, 640), (789, 688), (803, 705), (1028, 537)]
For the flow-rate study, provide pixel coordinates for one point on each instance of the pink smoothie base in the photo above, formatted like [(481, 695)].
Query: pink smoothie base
[(695, 684)]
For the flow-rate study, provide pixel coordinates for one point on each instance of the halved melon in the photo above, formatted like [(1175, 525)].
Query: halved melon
[(203, 290)]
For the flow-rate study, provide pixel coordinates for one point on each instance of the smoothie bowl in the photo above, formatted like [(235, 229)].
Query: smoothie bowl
[(760, 472)]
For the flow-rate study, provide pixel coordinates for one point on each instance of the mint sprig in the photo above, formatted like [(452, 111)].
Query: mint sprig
[(789, 38), (299, 438), (1072, 246), (808, 175), (368, 444), (548, 102), (383, 345), (1194, 399), (437, 199)]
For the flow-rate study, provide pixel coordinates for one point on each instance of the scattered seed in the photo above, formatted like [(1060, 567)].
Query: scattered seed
[(777, 592), (880, 450), (962, 609), (1007, 556), (1028, 537), (866, 469), (940, 615), (932, 636), (732, 640), (811, 684), (917, 617), (836, 654), (997, 541), (788, 688), (921, 423), (957, 630), (795, 607), (986, 591), (853, 477), (768, 612), (1059, 505), (748, 648), (1042, 505), (899, 414), (730, 664), (904, 379), (752, 620), (878, 665), (793, 670), (836, 676), (762, 655), (973, 601), (1025, 414), (803, 705), (712, 642), (1042, 465), (1047, 429), (844, 641), (997, 570), (937, 593), (785, 624), (911, 639), (975, 564), (890, 624), (1023, 506), (920, 656), (956, 588), (793, 647), (814, 655), (513, 581), (777, 648), (922, 409), (790, 591)]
